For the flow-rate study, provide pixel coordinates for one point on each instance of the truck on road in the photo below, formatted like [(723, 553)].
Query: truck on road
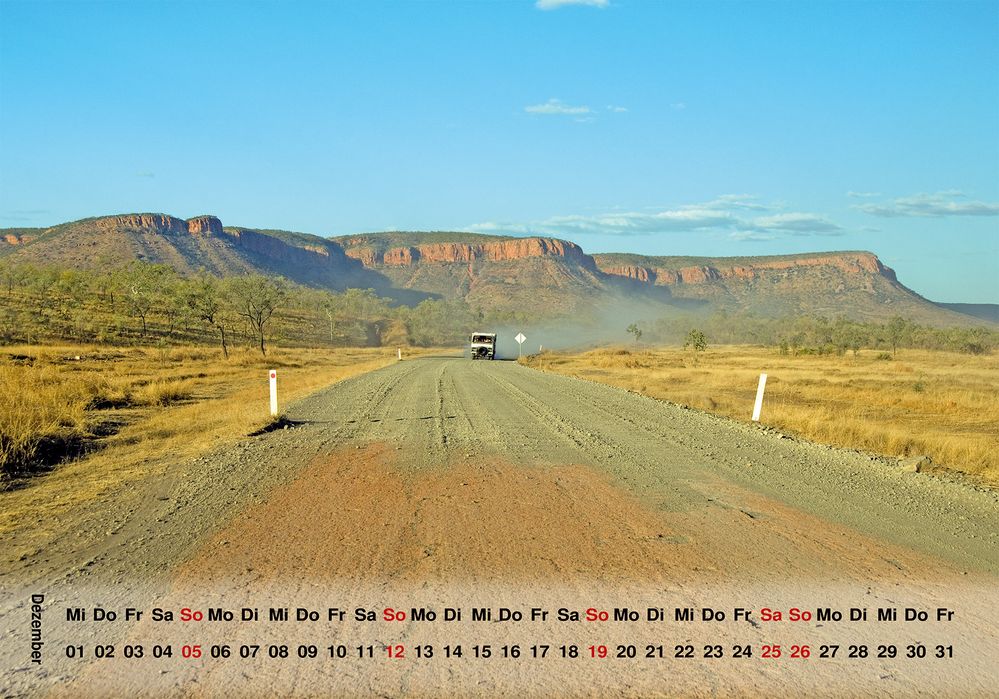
[(483, 346)]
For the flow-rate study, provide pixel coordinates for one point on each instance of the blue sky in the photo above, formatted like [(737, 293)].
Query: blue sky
[(697, 128)]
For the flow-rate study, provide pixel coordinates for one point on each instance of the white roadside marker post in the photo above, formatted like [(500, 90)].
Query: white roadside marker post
[(759, 398), (400, 353), (274, 411)]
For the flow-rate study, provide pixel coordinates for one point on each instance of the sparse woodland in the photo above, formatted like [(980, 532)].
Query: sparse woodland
[(798, 335), (153, 339), (146, 304), (150, 304)]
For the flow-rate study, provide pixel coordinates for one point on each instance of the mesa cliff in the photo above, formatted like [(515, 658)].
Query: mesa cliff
[(666, 274), (161, 223), (489, 271), (188, 245), (497, 251), (536, 276)]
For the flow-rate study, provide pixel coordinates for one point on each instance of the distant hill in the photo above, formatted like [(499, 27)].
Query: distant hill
[(188, 246), (851, 283), (542, 276), (984, 311), (534, 276)]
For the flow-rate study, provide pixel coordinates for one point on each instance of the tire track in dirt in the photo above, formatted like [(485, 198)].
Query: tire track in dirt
[(360, 526), (443, 480)]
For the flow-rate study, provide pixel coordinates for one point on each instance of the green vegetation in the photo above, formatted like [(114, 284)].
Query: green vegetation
[(181, 330), (796, 335), (144, 304), (696, 340), (256, 298)]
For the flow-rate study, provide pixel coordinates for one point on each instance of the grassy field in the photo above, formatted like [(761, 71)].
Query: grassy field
[(940, 404), (127, 413)]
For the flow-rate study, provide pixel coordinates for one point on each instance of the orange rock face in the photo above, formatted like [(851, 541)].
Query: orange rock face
[(467, 252), (740, 272), (850, 263), (401, 256), (158, 223), (698, 275), (204, 225), (642, 274), (366, 256), (12, 239)]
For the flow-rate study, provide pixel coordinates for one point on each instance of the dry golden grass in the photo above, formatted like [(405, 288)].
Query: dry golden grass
[(941, 404), (35, 407), (169, 405)]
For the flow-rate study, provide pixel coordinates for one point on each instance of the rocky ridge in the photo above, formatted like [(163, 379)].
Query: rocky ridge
[(161, 223), (497, 251), (503, 273), (851, 263)]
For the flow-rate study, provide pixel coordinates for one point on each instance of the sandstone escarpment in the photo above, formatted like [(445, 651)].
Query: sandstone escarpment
[(366, 256), (848, 263), (536, 275), (502, 250), (204, 225), (636, 272), (198, 243), (157, 223), (161, 223)]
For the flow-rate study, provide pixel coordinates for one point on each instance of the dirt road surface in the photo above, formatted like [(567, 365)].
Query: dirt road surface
[(442, 482)]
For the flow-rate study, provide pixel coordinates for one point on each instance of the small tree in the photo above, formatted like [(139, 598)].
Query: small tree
[(207, 301), (69, 292), (636, 331), (697, 340), (14, 276), (329, 307), (896, 332), (143, 285), (255, 298)]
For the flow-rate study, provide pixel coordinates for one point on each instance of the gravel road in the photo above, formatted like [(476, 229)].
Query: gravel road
[(439, 478)]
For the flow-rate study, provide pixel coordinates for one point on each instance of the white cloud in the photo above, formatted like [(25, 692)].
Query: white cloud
[(948, 203), (736, 201), (796, 223), (555, 106), (727, 213), (555, 4), (615, 108), (753, 236), (678, 106), (863, 195)]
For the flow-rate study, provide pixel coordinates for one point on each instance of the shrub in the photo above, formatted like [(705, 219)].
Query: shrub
[(697, 340)]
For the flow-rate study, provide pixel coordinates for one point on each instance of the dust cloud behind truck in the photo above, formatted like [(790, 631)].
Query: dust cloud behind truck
[(483, 346)]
